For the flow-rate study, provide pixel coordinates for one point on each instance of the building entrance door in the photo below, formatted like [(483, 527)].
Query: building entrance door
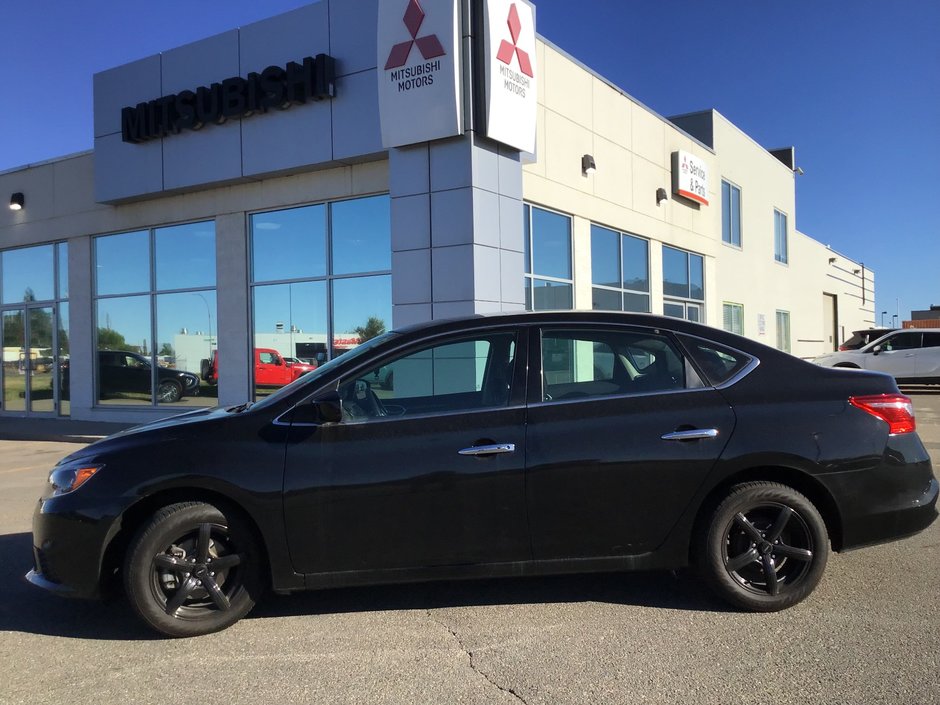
[(831, 322), (29, 377)]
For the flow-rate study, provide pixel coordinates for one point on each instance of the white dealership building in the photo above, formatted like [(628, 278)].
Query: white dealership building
[(304, 181)]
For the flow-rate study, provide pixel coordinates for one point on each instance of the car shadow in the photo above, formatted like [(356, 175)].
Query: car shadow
[(663, 590), (28, 609), (25, 608)]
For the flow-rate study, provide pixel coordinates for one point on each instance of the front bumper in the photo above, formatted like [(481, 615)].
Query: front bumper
[(68, 548)]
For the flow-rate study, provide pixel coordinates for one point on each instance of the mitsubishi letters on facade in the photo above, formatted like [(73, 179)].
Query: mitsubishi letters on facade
[(275, 87)]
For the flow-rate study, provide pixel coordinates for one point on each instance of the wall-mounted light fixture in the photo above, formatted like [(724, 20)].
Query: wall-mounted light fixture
[(832, 260), (661, 195), (856, 271), (588, 166), (17, 201)]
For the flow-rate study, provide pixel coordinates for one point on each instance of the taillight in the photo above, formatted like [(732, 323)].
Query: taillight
[(896, 410), (843, 348)]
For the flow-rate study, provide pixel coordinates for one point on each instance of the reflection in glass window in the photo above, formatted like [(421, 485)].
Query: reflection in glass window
[(62, 255), (619, 271), (158, 346), (27, 274), (730, 214), (683, 284), (293, 318), (13, 324), (360, 232), (124, 350), (63, 345), (781, 253), (289, 244), (122, 263), (548, 282), (454, 376), (184, 256)]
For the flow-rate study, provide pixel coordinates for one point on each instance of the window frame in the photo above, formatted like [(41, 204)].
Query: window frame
[(739, 245), (328, 277), (153, 294), (781, 240), (531, 276), (622, 290)]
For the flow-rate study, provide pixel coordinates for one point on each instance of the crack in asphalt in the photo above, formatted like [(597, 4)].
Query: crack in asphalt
[(473, 667)]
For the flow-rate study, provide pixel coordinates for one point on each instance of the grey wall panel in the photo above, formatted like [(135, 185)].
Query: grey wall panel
[(452, 217), (352, 34), (411, 222), (452, 273), (201, 63), (81, 328), (487, 276), (511, 233), (287, 37), (116, 88), (413, 285), (235, 369), (512, 290), (356, 129), (210, 154), (287, 139), (123, 170), (413, 171)]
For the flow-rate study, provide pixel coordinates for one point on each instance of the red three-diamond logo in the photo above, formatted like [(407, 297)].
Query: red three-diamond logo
[(506, 49), (429, 45)]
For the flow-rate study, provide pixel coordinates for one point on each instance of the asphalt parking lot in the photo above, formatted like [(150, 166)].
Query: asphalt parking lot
[(870, 634)]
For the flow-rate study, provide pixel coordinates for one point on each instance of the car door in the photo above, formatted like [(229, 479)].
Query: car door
[(428, 471), (621, 433), (928, 362), (897, 354)]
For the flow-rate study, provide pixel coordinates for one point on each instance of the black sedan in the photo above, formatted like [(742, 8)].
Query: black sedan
[(521, 444)]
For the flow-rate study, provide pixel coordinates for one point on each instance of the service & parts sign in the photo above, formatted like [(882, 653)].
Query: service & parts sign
[(510, 72), (420, 97), (690, 177)]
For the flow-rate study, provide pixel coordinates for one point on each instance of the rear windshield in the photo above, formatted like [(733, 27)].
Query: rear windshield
[(719, 363)]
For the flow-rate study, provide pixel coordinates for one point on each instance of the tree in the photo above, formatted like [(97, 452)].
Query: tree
[(375, 326), (166, 351), (110, 339)]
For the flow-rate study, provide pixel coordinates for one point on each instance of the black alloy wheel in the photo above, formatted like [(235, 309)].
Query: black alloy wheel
[(191, 570), (169, 391), (766, 547)]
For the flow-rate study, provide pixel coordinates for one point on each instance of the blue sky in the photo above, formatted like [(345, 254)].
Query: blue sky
[(855, 86)]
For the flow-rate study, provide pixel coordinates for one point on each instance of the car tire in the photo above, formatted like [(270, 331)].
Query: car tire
[(192, 569), (764, 548), (169, 391)]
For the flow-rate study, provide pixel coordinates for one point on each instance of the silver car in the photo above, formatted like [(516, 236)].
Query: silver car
[(911, 356)]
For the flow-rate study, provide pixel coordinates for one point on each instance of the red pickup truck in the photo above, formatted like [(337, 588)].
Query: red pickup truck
[(271, 368)]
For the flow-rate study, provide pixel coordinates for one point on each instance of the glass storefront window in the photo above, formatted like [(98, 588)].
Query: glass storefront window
[(299, 325), (63, 259), (157, 346), (289, 244), (27, 274), (547, 252), (122, 263), (619, 271), (360, 232)]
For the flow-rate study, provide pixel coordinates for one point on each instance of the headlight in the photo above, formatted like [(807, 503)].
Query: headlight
[(70, 477)]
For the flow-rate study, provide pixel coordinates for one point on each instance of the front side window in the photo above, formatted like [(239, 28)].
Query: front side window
[(619, 271), (321, 283), (155, 303), (783, 331), (577, 364), (902, 341), (463, 375), (683, 284), (548, 270), (730, 214), (781, 253), (733, 318)]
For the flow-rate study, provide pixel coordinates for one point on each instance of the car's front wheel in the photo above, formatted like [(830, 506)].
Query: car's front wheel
[(765, 547), (192, 570), (169, 391)]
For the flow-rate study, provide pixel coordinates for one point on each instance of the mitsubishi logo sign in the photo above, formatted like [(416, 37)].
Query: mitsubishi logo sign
[(429, 45), (509, 79), (420, 97), (506, 50)]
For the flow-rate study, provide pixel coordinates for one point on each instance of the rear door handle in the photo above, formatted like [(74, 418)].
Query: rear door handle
[(494, 449), (690, 435)]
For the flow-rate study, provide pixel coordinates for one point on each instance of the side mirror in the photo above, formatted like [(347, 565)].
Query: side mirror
[(875, 350), (329, 407)]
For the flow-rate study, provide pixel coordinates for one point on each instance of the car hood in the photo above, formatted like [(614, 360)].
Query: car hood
[(117, 440)]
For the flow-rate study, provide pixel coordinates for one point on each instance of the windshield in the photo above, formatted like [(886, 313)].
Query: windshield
[(324, 369)]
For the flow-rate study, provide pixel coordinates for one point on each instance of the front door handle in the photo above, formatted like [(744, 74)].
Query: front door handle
[(494, 449), (690, 435)]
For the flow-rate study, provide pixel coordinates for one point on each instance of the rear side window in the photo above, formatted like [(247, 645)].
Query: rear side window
[(902, 341), (595, 363), (932, 340), (718, 362)]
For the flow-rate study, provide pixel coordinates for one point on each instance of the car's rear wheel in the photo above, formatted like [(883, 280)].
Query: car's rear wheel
[(192, 570), (765, 547), (169, 391)]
